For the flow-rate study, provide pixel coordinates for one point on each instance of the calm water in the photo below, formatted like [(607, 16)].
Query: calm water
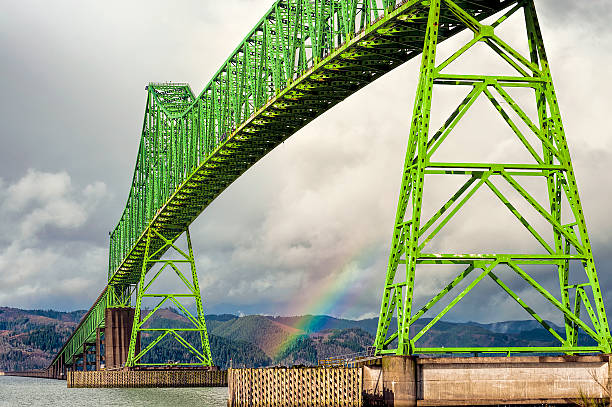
[(25, 391)]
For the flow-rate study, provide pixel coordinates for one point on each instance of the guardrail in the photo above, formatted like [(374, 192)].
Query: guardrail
[(350, 359)]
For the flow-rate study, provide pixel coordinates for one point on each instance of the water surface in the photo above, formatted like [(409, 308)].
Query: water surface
[(26, 391)]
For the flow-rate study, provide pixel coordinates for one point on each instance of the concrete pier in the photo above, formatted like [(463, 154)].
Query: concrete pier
[(412, 381), (513, 380), (117, 331), (526, 380)]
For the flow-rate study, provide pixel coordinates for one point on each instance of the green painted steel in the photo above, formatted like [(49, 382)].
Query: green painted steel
[(301, 59), (85, 331), (202, 355), (564, 250)]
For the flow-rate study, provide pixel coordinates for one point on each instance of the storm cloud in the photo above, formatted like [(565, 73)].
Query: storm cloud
[(308, 228)]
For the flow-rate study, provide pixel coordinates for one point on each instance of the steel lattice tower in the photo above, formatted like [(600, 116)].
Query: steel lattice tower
[(566, 249), (197, 325)]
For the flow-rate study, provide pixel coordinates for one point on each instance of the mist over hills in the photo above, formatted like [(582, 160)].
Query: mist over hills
[(30, 338)]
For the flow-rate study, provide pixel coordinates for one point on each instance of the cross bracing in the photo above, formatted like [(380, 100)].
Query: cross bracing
[(564, 249), (302, 58)]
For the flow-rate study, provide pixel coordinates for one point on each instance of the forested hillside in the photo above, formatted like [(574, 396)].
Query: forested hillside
[(30, 338)]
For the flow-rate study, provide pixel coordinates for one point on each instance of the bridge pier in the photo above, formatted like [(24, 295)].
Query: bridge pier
[(399, 381), (518, 380), (58, 370), (402, 381), (99, 343), (63, 369), (85, 354), (117, 332), (173, 377)]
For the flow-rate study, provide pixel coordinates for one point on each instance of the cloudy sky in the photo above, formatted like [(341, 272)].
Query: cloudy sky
[(307, 229)]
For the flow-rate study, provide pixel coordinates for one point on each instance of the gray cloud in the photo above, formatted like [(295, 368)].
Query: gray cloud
[(308, 228), (35, 266)]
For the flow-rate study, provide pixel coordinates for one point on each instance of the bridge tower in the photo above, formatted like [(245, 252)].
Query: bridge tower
[(180, 262), (563, 251)]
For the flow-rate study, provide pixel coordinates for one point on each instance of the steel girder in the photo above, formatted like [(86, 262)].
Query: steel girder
[(85, 331), (301, 59), (568, 243)]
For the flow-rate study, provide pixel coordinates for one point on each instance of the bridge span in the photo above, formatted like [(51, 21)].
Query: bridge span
[(301, 59)]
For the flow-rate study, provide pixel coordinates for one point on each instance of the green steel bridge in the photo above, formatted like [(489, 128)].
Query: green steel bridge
[(302, 58)]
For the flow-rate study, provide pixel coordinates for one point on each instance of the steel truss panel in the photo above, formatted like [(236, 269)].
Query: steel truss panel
[(143, 290), (303, 57), (552, 163)]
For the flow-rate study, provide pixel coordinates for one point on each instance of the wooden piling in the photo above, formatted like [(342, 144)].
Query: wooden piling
[(295, 387), (147, 378)]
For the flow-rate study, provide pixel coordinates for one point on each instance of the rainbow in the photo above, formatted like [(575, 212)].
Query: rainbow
[(335, 294)]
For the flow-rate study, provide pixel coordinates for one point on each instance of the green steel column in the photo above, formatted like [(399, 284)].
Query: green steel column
[(198, 300), (405, 234), (131, 358)]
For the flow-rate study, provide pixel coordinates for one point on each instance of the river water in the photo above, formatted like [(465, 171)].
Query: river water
[(26, 391)]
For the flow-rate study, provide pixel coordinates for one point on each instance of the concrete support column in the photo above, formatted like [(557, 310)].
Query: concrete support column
[(63, 366), (98, 353), (399, 381), (102, 348), (84, 357), (609, 384), (117, 332)]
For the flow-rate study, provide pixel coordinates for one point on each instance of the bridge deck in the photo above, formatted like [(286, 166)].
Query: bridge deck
[(371, 53), (210, 159)]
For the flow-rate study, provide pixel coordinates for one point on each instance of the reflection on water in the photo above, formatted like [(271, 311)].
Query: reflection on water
[(25, 391)]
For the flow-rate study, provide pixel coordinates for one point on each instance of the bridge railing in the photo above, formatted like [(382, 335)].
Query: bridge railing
[(349, 359)]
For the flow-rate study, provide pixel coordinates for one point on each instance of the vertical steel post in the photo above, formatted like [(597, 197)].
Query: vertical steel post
[(198, 300)]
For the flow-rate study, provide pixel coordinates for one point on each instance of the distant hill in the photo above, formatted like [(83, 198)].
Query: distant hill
[(263, 332), (318, 323), (30, 338), (514, 326)]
